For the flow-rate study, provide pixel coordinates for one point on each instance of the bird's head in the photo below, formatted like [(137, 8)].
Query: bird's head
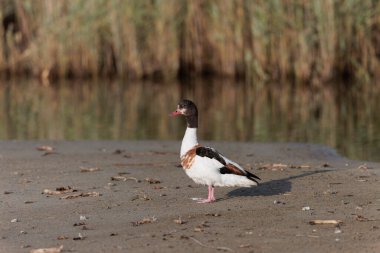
[(186, 108)]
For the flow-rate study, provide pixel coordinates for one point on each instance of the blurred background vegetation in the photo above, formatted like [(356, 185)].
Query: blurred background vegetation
[(309, 41), (283, 70)]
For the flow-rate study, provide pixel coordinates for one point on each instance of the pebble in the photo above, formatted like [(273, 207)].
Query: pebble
[(306, 208), (14, 220)]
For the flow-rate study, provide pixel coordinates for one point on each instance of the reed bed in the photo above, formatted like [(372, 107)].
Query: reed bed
[(304, 40)]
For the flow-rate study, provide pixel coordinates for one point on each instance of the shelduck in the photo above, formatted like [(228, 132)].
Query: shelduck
[(205, 165)]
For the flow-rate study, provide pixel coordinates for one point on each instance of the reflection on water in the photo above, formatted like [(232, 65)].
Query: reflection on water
[(344, 119)]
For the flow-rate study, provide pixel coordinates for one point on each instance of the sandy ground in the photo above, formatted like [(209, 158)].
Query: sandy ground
[(159, 215)]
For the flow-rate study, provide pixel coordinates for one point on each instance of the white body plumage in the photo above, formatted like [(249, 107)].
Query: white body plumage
[(206, 171)]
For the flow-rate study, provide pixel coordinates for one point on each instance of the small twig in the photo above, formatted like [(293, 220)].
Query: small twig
[(319, 222), (211, 247), (88, 169), (123, 178)]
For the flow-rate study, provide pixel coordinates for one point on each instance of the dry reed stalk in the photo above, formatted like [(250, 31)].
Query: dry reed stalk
[(259, 40)]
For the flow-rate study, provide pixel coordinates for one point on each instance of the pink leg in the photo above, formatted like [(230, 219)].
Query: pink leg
[(211, 197)]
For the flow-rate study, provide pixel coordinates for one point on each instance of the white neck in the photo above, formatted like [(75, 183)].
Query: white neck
[(189, 140)]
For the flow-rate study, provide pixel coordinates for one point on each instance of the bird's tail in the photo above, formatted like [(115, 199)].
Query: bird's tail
[(252, 177)]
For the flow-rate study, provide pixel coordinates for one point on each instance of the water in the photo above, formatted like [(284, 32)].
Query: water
[(345, 119)]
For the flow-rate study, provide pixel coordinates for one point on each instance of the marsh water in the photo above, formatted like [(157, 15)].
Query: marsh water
[(346, 119)]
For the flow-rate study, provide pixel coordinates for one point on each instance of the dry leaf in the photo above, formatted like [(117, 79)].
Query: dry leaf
[(87, 194), (90, 194), (142, 196), (59, 190), (213, 214), (50, 192), (79, 224), (123, 173), (64, 189), (48, 250), (299, 166), (79, 237), (145, 197), (362, 218), (45, 148), (152, 180), (62, 237), (144, 221), (179, 221), (85, 169), (198, 229), (118, 178), (281, 165)]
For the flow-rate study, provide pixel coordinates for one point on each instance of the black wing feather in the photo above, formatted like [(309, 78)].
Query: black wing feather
[(252, 177), (210, 153), (227, 170)]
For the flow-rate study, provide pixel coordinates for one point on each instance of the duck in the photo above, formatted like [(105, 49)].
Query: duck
[(205, 165)]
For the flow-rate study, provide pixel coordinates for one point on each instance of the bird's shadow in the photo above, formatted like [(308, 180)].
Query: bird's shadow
[(271, 188)]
